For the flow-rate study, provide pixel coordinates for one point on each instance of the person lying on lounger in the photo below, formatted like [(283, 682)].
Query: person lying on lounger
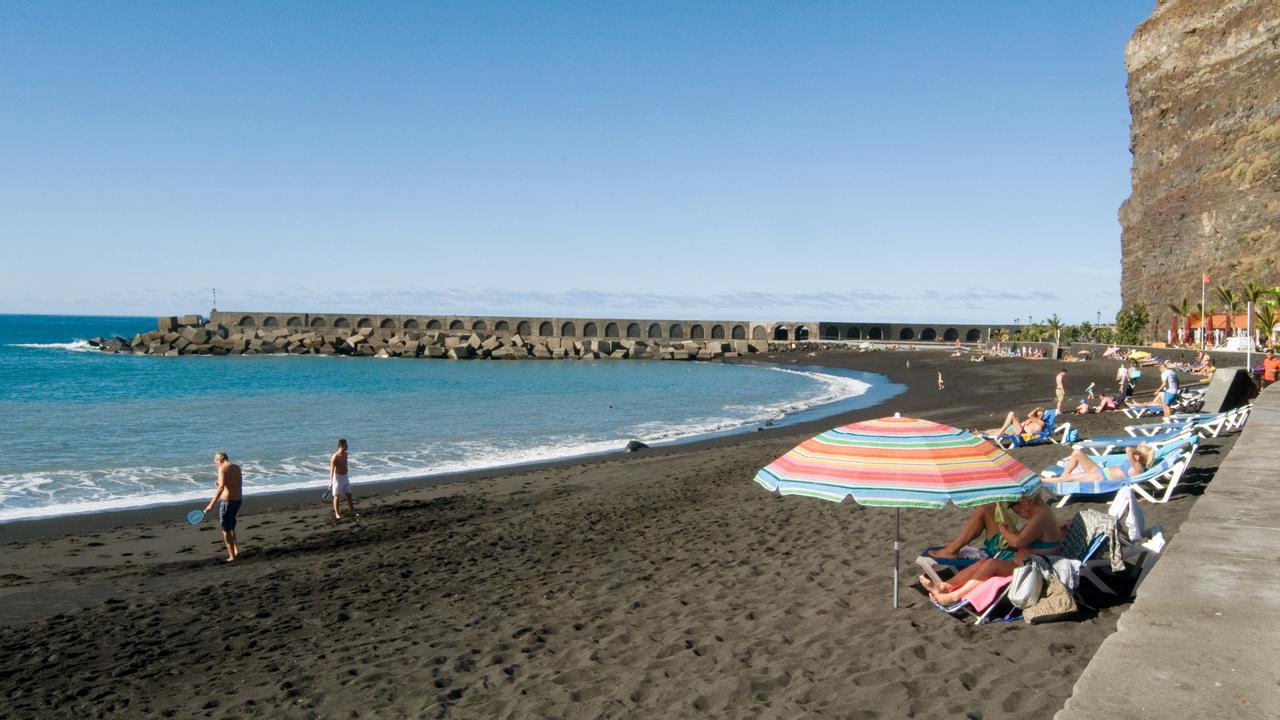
[(1039, 535), (1033, 424), (1080, 467)]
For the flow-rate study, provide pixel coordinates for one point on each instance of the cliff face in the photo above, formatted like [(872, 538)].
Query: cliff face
[(1204, 92)]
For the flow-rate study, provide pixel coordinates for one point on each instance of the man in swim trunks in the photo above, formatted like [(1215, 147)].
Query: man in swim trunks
[(228, 497), (1060, 392), (339, 482)]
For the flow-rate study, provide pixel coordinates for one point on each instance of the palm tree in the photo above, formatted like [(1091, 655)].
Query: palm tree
[(1181, 310), (1252, 293), (998, 335), (1054, 325), (1268, 318), (1231, 302)]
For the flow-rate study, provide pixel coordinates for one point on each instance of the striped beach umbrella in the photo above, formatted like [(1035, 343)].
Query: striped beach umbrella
[(899, 462)]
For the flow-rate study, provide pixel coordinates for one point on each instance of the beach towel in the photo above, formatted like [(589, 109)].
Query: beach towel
[(986, 593)]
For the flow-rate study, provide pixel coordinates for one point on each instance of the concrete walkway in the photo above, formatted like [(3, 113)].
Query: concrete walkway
[(1202, 639)]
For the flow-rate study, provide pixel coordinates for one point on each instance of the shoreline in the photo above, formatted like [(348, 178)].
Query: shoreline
[(159, 511), (657, 584)]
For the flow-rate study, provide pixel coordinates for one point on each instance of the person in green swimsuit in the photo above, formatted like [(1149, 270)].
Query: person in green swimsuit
[(1040, 534)]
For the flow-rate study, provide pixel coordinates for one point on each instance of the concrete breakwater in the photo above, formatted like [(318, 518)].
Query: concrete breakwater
[(192, 335)]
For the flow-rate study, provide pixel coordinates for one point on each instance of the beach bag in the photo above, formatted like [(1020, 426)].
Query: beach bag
[(1027, 585), (1057, 602), (1072, 436)]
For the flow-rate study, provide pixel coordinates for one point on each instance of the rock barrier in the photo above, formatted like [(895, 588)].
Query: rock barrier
[(176, 338)]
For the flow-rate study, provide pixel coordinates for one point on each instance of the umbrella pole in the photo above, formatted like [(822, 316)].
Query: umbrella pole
[(897, 548)]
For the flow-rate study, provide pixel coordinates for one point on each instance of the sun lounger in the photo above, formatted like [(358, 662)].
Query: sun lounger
[(981, 602), (1050, 433), (1172, 435)]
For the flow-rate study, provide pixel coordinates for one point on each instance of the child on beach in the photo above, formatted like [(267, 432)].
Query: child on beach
[(1089, 391)]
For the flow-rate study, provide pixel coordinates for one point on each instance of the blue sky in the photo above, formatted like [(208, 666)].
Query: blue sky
[(886, 161)]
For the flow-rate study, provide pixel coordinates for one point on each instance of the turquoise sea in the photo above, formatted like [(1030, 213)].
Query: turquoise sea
[(84, 431)]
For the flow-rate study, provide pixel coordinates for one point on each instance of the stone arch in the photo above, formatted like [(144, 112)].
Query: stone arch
[(271, 321), (717, 332), (974, 335), (802, 333), (246, 321), (906, 334), (655, 330), (433, 324), (387, 324), (546, 329), (831, 333), (853, 332), (480, 326), (502, 326), (875, 333), (676, 331), (739, 332), (590, 330), (611, 330), (524, 328), (456, 325), (929, 334), (758, 333), (364, 323), (781, 332), (317, 322), (697, 333), (633, 330), (950, 334), (342, 323), (568, 330), (411, 324), (294, 321)]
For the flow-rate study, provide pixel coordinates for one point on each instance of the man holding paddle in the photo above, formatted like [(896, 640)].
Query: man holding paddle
[(228, 492)]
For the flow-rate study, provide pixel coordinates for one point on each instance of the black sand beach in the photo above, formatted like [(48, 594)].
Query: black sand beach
[(660, 584)]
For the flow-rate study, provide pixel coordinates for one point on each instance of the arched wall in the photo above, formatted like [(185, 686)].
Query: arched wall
[(590, 330)]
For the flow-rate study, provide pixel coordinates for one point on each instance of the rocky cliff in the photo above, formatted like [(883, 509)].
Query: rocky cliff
[(1204, 92)]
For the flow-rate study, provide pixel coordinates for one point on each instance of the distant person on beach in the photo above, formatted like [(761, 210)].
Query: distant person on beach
[(1012, 426), (1105, 404), (940, 380), (228, 497), (1039, 535), (339, 480), (1089, 391), (1123, 383), (1167, 393), (1060, 391)]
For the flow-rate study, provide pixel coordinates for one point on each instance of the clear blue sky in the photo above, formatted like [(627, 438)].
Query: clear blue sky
[(890, 161)]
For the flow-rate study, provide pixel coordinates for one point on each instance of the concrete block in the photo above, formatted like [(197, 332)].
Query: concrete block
[(194, 320), (167, 324), (434, 351), (619, 354)]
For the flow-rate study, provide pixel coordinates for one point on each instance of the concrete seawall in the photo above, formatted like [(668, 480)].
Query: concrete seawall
[(1201, 639)]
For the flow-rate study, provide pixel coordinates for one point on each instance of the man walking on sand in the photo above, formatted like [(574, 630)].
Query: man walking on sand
[(228, 497), (339, 482), (1060, 392)]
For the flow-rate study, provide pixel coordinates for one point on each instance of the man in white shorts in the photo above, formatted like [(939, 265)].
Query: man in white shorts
[(339, 483)]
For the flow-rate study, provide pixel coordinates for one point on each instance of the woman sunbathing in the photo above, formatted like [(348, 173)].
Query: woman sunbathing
[(1033, 424), (1081, 467), (1040, 535)]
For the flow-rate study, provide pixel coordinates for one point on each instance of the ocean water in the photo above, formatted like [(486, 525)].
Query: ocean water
[(83, 431)]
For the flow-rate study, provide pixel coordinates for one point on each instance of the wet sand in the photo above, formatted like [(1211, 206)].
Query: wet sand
[(659, 584)]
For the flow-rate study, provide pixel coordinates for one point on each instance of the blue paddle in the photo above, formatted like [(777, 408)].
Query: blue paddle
[(195, 517)]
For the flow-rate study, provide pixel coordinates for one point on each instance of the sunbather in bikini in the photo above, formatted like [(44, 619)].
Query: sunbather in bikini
[(1040, 535), (1080, 467), (1033, 424)]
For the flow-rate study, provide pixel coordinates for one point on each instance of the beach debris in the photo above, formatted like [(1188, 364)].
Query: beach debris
[(636, 446)]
